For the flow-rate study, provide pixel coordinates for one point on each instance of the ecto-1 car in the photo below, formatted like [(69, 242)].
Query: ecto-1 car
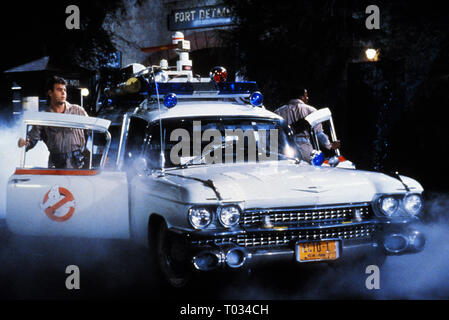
[(209, 179)]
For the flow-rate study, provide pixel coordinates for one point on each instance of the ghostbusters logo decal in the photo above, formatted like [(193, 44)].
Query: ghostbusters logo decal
[(58, 204)]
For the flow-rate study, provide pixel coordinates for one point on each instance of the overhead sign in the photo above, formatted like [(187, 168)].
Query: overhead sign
[(73, 83), (202, 17)]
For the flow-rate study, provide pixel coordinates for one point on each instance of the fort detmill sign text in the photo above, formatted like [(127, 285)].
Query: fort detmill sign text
[(201, 17)]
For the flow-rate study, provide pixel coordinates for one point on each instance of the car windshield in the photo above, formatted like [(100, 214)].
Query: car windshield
[(223, 140)]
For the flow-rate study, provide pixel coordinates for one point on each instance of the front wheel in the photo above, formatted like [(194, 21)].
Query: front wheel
[(172, 258)]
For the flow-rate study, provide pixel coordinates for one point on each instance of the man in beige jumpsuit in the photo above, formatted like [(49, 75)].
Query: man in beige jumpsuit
[(294, 113), (66, 145)]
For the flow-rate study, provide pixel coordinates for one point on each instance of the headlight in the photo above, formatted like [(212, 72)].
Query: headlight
[(229, 216), (413, 204), (200, 218), (388, 206)]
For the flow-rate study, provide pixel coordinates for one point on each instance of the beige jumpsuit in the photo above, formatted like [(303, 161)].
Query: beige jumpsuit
[(60, 140), (292, 112)]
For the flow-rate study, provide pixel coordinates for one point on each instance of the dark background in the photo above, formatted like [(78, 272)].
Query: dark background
[(388, 113)]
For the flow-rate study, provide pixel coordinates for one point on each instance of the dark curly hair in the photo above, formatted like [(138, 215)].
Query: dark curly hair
[(54, 80)]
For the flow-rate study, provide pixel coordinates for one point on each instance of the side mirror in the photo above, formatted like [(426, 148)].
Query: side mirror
[(334, 161)]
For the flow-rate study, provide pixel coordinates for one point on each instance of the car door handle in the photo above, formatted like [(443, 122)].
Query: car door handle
[(19, 180)]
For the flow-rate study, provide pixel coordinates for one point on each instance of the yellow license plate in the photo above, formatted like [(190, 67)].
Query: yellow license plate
[(317, 251)]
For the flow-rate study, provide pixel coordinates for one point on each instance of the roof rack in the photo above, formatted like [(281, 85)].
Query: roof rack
[(172, 83), (203, 90)]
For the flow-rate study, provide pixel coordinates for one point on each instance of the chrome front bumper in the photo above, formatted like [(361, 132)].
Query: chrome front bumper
[(392, 240)]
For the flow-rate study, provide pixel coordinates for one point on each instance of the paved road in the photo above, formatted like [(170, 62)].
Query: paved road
[(34, 268)]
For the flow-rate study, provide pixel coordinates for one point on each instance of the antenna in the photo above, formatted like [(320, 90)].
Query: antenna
[(184, 65), (162, 156)]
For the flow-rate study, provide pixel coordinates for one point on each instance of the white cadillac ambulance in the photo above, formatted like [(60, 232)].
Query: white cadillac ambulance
[(207, 178)]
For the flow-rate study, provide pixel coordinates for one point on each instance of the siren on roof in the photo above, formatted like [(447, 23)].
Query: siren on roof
[(183, 64), (176, 37), (218, 74)]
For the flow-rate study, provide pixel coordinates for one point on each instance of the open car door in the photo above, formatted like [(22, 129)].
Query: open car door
[(322, 128), (87, 202)]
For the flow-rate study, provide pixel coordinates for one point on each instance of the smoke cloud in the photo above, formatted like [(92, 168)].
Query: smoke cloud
[(9, 158)]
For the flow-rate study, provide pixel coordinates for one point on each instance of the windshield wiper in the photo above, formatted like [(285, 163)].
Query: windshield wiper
[(200, 159), (297, 160)]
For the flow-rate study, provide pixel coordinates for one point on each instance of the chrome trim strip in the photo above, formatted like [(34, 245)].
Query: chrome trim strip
[(123, 139), (203, 234), (366, 222), (66, 124), (336, 206), (105, 152)]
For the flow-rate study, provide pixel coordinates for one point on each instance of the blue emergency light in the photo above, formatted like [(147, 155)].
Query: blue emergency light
[(317, 158), (256, 99), (170, 100), (245, 87)]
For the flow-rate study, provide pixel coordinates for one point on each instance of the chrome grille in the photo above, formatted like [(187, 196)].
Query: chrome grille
[(263, 238), (305, 215)]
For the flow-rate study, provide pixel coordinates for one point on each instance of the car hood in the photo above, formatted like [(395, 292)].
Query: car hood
[(284, 183)]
